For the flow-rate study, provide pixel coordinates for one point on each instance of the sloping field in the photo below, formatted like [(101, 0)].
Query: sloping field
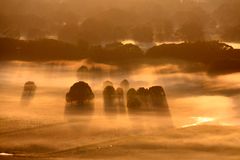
[(104, 138)]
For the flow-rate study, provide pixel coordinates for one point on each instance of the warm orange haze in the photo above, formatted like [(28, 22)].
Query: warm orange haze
[(129, 79)]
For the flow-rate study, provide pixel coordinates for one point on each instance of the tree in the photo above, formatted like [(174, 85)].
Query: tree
[(80, 92)]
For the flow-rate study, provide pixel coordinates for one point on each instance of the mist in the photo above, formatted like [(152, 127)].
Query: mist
[(106, 21), (32, 128), (123, 79)]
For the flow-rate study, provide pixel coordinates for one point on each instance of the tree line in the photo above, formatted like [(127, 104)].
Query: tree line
[(213, 55)]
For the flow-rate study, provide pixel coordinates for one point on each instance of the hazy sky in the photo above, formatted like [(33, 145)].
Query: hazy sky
[(161, 20)]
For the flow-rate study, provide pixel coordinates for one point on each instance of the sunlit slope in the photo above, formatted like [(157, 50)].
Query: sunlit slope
[(81, 138)]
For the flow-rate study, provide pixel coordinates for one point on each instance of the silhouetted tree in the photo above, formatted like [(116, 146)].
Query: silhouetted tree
[(28, 93), (158, 99), (133, 102), (107, 83), (116, 53), (125, 84), (121, 100), (29, 90), (83, 69), (226, 66), (120, 95), (83, 72), (109, 95), (80, 92), (96, 72), (33, 50), (195, 51), (127, 57), (79, 99), (143, 95)]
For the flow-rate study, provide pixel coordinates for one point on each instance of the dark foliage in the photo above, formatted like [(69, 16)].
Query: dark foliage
[(157, 96), (125, 84), (120, 95), (109, 95), (29, 90), (39, 50), (133, 102), (80, 92), (116, 53), (143, 95), (107, 83), (79, 99), (212, 56)]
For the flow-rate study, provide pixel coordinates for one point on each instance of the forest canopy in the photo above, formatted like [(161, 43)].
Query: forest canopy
[(211, 56)]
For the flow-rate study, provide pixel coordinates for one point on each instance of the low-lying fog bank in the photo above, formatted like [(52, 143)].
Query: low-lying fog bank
[(189, 95), (204, 114)]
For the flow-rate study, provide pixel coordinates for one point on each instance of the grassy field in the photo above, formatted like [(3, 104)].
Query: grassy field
[(105, 138)]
